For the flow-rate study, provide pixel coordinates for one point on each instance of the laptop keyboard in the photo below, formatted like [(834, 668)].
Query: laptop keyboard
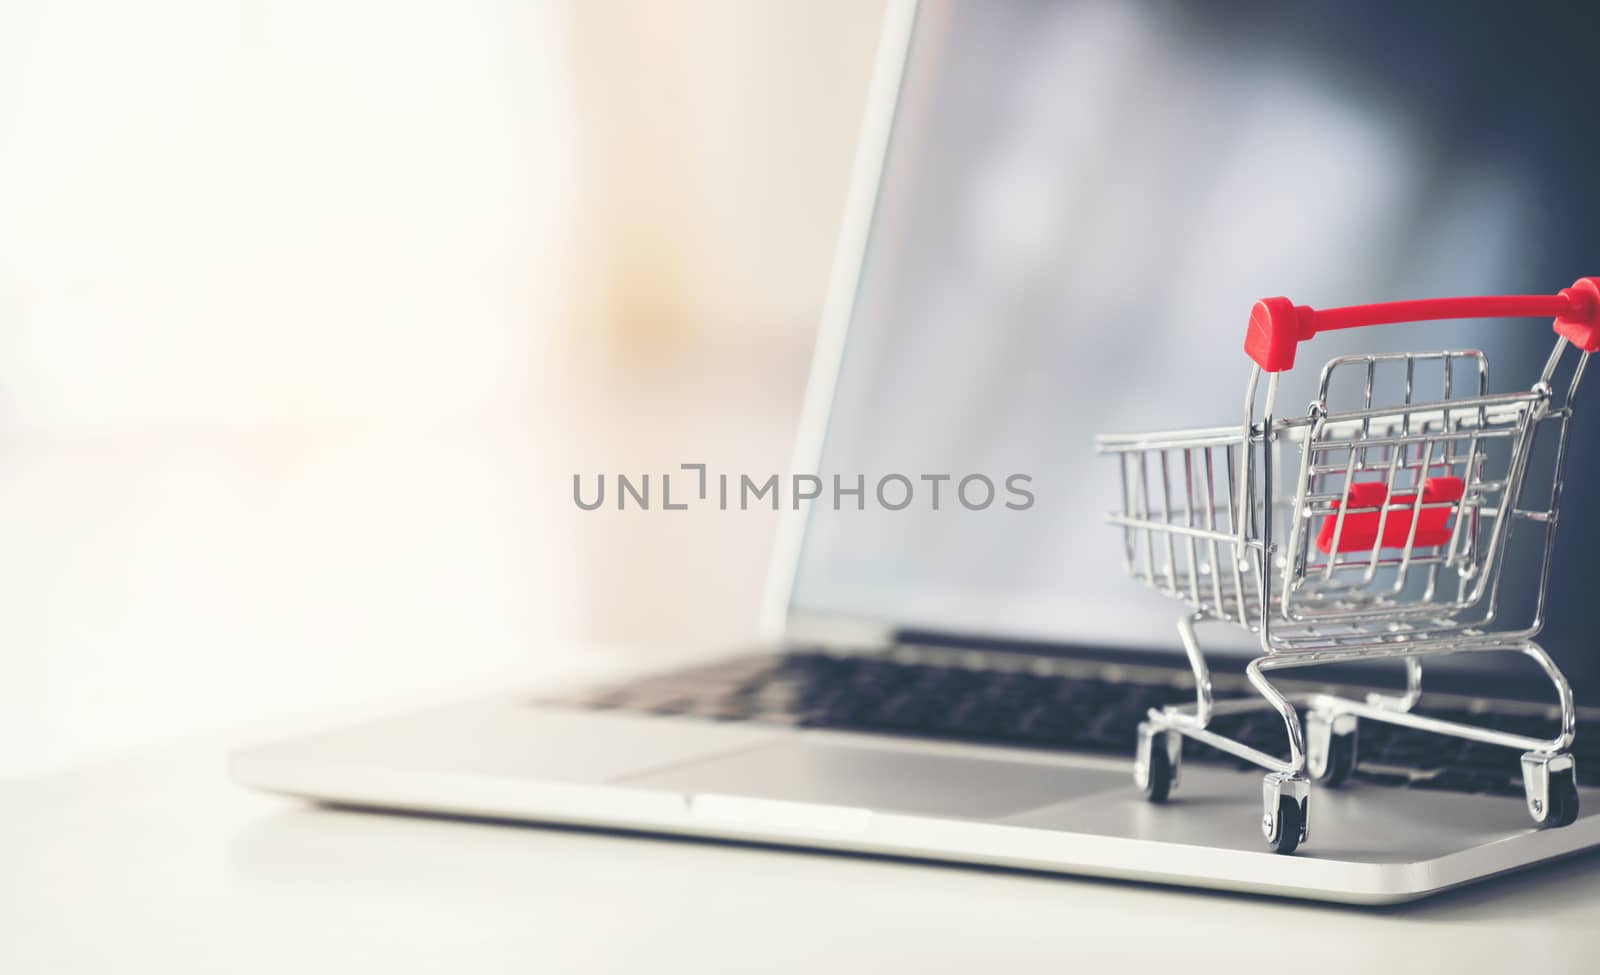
[(954, 702)]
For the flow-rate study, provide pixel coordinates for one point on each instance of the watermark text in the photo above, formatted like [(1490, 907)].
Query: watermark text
[(693, 486)]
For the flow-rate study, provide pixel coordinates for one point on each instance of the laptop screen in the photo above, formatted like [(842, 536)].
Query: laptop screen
[(1079, 204)]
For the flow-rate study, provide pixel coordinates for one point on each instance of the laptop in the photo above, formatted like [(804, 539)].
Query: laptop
[(1059, 218)]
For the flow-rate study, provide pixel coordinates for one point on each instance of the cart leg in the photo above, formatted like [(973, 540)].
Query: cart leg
[(1280, 704), (1197, 663), (1413, 694), (1550, 778), (1569, 712), (1333, 736), (1155, 764), (1285, 795)]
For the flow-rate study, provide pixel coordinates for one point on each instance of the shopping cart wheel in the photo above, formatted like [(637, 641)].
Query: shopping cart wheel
[(1563, 801), (1155, 766), (1551, 784), (1284, 797), (1331, 747)]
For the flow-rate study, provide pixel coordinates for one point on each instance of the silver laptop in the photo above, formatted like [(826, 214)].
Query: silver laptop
[(1060, 216)]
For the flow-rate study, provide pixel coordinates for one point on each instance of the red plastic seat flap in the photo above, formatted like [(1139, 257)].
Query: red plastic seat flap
[(1360, 530)]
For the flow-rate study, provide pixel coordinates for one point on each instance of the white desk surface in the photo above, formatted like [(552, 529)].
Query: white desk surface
[(158, 863)]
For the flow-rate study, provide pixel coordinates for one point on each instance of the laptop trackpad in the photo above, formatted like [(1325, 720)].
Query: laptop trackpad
[(889, 779)]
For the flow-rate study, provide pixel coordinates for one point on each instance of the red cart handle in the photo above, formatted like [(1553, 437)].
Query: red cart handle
[(1278, 325)]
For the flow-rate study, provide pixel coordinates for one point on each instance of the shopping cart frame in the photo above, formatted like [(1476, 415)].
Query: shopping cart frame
[(1306, 612)]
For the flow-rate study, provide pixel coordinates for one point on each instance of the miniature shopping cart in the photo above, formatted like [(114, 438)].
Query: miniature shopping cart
[(1377, 525)]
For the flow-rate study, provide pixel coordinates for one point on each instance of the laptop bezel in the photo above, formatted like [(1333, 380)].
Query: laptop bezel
[(780, 622)]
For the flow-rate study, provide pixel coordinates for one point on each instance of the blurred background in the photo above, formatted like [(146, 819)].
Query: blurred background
[(310, 311)]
